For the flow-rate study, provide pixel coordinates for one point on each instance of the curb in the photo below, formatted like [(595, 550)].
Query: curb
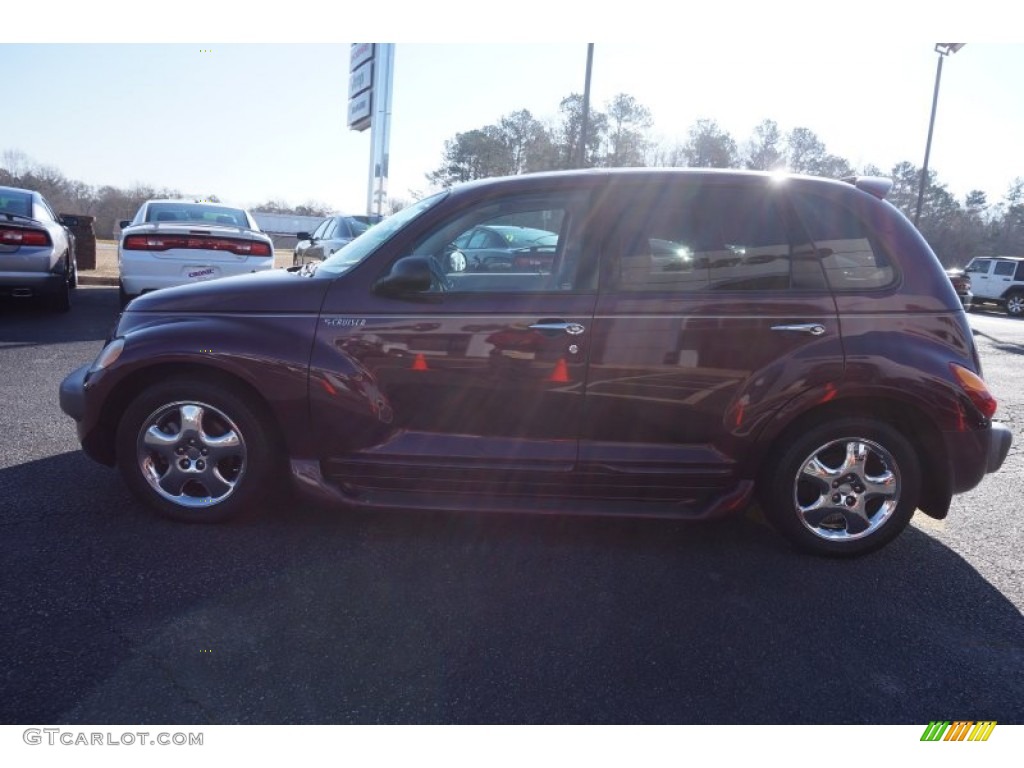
[(96, 280)]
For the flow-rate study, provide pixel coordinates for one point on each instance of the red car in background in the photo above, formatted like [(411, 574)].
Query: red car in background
[(962, 285)]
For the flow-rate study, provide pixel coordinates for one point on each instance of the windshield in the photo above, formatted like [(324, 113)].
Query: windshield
[(357, 250)]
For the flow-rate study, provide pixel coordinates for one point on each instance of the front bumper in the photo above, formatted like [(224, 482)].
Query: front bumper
[(72, 393), (73, 403)]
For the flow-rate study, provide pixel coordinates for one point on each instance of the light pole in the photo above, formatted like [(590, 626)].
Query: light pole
[(943, 49), (582, 162)]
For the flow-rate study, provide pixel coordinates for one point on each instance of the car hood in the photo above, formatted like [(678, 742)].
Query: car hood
[(276, 290)]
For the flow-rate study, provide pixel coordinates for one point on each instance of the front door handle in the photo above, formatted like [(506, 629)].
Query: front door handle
[(815, 329), (573, 329)]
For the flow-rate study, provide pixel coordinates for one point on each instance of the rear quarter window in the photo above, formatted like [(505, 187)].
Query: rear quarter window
[(850, 256)]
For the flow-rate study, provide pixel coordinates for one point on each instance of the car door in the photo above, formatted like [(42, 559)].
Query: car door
[(303, 246), (982, 284), (321, 240), (474, 385), (713, 312), (1002, 277)]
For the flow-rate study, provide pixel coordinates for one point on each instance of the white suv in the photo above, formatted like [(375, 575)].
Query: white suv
[(173, 242), (998, 280)]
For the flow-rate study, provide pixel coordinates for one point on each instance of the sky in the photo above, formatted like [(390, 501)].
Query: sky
[(120, 94)]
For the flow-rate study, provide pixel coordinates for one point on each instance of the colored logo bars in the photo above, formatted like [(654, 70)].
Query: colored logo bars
[(960, 730)]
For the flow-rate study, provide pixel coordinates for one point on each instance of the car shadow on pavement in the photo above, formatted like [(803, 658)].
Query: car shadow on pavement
[(306, 615), (26, 322)]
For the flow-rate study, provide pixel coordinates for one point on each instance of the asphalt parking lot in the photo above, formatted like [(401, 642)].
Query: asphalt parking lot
[(304, 615)]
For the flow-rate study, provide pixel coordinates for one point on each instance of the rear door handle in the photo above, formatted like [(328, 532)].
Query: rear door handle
[(573, 329), (815, 329)]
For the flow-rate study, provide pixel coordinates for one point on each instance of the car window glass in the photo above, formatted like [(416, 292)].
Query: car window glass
[(355, 251), (851, 260), (196, 214), (509, 266), (1020, 271), (15, 202), (479, 239), (332, 228), (319, 231), (1004, 268), (42, 212), (357, 227), (979, 266), (689, 238)]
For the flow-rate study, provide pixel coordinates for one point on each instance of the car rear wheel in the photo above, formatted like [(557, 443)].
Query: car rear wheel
[(844, 488), (196, 451), (122, 295), (60, 301), (1015, 305)]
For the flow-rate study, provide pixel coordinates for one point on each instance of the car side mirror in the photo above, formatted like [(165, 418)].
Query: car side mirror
[(124, 223), (413, 274), (303, 236)]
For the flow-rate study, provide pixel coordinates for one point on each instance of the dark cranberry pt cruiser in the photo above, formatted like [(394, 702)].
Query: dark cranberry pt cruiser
[(693, 341)]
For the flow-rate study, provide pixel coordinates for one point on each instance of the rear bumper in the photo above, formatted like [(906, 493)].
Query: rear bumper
[(1000, 440), (31, 283), (140, 271), (974, 454)]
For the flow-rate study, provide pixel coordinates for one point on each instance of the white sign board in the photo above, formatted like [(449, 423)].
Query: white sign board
[(359, 110), (360, 52), (360, 80)]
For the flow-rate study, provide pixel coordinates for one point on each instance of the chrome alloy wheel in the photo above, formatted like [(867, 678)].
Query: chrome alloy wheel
[(191, 454), (847, 489), (1015, 305)]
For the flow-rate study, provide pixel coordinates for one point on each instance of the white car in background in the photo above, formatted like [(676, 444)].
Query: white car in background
[(175, 242)]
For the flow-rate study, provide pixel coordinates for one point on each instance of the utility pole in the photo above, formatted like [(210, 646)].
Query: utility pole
[(584, 123)]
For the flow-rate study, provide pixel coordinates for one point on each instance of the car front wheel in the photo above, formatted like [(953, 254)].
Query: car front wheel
[(196, 450), (844, 488)]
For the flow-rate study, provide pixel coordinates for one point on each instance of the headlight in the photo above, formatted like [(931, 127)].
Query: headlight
[(108, 356)]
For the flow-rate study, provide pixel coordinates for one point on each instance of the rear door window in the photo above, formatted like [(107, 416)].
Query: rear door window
[(1004, 269), (691, 238)]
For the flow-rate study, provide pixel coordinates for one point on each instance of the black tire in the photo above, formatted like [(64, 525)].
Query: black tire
[(240, 467), (863, 504), (74, 274), (1015, 304), (122, 295), (60, 301)]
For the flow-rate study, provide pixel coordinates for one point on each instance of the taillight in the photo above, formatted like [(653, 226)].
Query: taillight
[(12, 236), (975, 388), (175, 242)]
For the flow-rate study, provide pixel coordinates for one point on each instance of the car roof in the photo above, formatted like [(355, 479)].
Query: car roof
[(593, 177)]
